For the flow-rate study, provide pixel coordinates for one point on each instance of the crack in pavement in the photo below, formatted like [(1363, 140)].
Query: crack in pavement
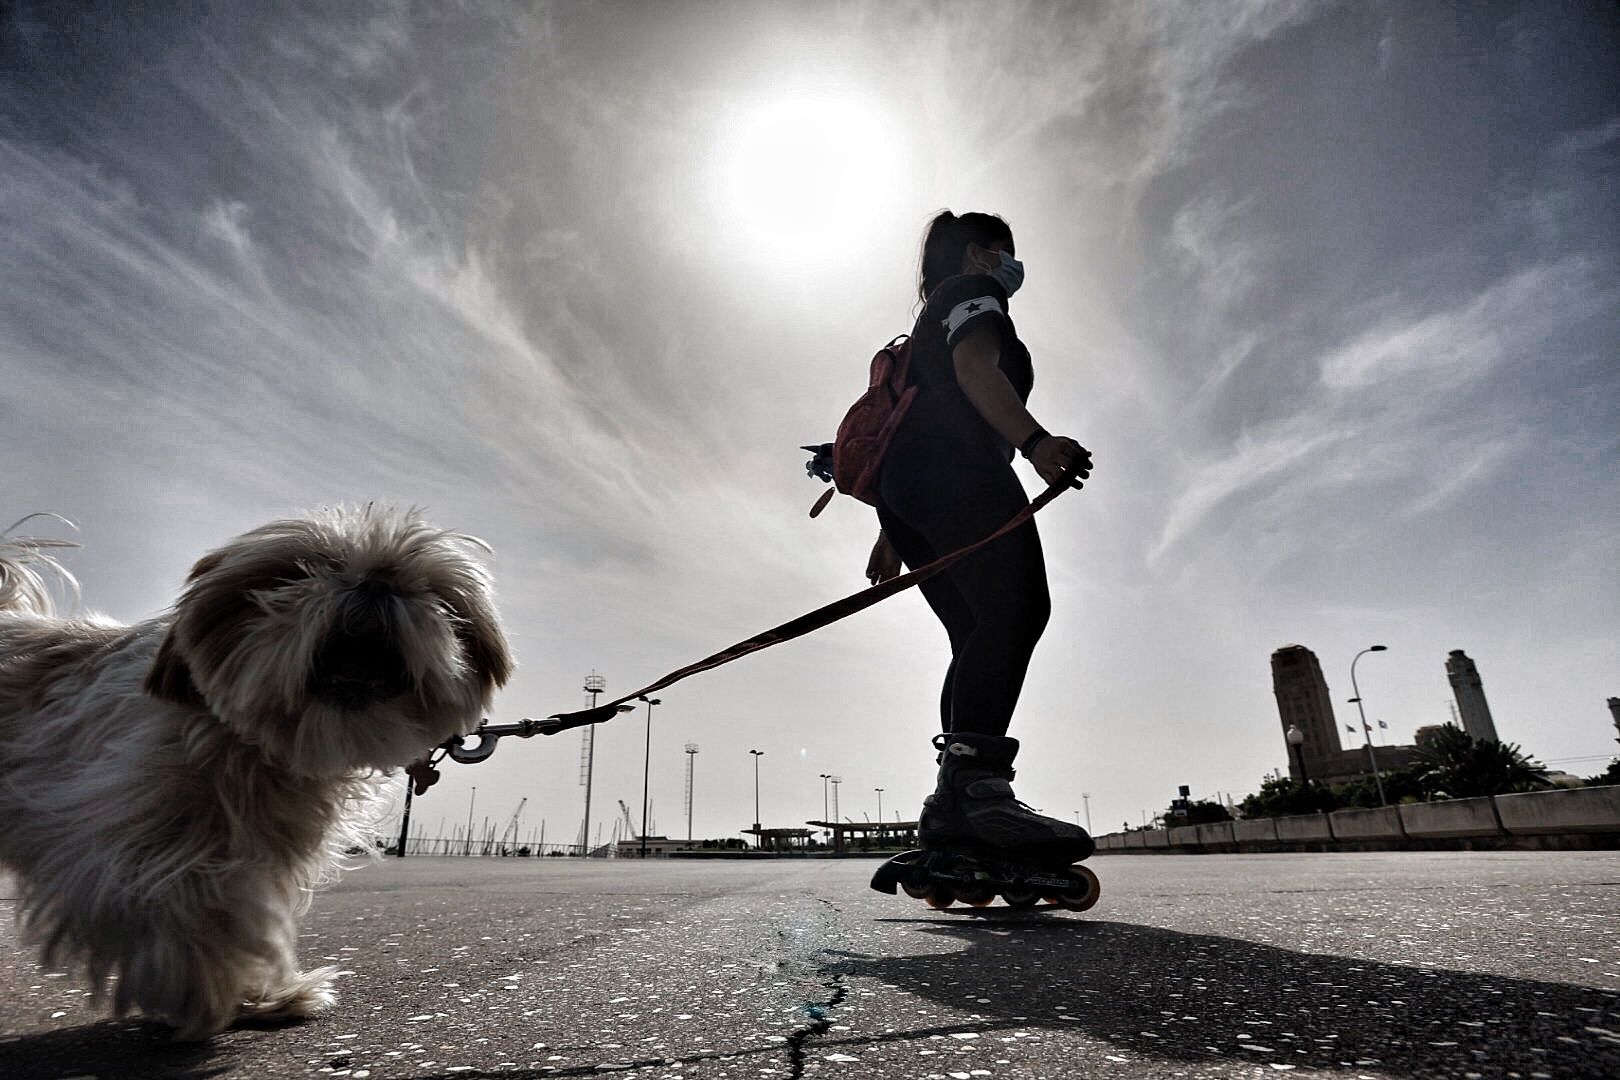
[(816, 1010), (819, 1023)]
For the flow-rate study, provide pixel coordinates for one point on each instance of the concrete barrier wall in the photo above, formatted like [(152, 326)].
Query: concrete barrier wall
[(1304, 827), (1258, 830), (1380, 823), (1577, 810), (1562, 812), (1184, 836), (1446, 820)]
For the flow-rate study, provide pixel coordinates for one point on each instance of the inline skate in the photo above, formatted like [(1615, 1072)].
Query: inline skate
[(979, 842)]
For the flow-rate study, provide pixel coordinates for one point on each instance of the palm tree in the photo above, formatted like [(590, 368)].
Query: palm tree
[(1612, 776), (1456, 765)]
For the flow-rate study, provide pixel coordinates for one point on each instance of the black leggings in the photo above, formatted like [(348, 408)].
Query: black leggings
[(994, 603)]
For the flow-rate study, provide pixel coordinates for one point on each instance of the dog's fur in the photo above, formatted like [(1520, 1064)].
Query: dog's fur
[(172, 791)]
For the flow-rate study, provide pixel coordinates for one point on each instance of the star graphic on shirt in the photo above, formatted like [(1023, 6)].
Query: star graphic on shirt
[(975, 306)]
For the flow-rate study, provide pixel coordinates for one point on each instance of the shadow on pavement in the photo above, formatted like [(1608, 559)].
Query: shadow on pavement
[(127, 1049), (1151, 993), (1193, 998)]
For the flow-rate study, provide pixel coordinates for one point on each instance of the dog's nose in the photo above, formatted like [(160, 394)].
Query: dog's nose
[(367, 612), (359, 662), (372, 589)]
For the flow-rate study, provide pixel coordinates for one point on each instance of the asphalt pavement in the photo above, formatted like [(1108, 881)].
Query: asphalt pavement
[(1502, 964)]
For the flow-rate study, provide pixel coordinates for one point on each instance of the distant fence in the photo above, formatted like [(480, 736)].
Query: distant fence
[(1566, 817), (482, 847)]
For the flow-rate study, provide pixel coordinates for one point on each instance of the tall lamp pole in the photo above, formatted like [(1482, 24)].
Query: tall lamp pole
[(880, 811), (1296, 742), (824, 778), (1086, 798), (691, 759), (759, 839), (1365, 730), (594, 685), (646, 769), (470, 800), (405, 822), (836, 780)]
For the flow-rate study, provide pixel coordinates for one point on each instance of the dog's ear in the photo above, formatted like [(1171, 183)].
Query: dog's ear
[(205, 564), (486, 650), (170, 677)]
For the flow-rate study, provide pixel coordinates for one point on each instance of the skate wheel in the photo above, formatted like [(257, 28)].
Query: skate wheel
[(979, 896), (1015, 898), (940, 898), (916, 892), (1083, 898)]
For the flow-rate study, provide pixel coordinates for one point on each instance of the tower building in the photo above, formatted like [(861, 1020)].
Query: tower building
[(1303, 699), (1470, 695)]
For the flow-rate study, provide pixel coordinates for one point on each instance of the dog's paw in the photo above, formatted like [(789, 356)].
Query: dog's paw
[(299, 994)]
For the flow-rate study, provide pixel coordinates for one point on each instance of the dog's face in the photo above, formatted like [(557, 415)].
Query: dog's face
[(354, 638)]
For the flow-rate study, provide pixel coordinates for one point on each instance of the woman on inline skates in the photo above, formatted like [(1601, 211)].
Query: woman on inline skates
[(947, 480)]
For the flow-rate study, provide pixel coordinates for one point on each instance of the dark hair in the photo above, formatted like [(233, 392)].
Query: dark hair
[(946, 241)]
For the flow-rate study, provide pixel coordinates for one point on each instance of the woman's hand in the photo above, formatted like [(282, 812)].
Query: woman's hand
[(1056, 454), (884, 563)]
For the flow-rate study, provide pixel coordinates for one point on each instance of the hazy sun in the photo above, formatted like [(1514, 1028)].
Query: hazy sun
[(800, 174)]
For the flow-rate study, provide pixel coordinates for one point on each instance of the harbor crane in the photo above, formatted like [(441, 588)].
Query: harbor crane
[(512, 827)]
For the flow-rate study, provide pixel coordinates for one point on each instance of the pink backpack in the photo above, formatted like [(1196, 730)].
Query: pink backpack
[(864, 434)]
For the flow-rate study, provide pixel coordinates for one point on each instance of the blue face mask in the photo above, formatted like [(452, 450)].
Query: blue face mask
[(1010, 274)]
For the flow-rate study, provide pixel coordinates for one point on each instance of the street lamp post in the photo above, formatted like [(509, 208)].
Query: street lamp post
[(824, 778), (405, 822), (594, 685), (1296, 741), (759, 838), (646, 769), (1365, 730), (1085, 798), (471, 799), (880, 813)]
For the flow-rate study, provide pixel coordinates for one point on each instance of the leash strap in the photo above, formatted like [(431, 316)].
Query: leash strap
[(804, 624)]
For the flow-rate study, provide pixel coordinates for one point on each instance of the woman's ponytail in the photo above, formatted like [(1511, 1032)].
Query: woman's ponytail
[(946, 241)]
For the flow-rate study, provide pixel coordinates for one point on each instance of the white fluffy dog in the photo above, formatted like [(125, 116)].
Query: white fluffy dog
[(172, 791)]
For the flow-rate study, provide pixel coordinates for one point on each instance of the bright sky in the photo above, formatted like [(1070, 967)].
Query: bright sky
[(1329, 290)]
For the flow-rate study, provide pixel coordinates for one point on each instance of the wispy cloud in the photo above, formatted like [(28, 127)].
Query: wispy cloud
[(1404, 407), (1588, 138), (1254, 462), (1446, 348)]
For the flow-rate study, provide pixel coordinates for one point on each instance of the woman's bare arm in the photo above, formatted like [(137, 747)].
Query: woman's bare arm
[(977, 359)]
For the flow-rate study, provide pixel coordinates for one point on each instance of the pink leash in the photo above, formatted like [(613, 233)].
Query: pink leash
[(804, 624)]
